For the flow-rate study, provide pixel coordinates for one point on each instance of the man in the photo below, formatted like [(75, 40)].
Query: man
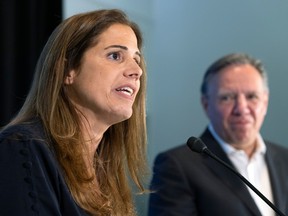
[(235, 98)]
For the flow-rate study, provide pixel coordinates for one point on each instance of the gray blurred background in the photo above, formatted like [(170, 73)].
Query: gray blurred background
[(182, 38)]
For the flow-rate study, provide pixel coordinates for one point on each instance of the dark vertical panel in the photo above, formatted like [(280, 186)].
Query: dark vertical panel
[(26, 26)]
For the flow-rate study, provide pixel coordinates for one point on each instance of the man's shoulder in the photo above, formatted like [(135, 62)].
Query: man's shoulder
[(276, 148), (181, 152), (176, 149)]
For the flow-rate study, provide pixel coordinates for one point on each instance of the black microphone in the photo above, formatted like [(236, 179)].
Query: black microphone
[(197, 145)]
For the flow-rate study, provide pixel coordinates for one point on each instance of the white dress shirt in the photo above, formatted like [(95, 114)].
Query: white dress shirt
[(254, 169)]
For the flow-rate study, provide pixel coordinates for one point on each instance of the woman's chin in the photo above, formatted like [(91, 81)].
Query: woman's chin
[(122, 116)]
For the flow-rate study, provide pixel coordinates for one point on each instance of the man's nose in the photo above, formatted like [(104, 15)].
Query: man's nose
[(241, 104)]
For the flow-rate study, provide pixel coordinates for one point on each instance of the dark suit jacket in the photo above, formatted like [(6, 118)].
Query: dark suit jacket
[(188, 184)]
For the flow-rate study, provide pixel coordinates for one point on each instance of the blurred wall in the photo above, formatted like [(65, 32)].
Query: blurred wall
[(181, 39)]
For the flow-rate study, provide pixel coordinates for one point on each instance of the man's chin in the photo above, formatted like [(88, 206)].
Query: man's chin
[(241, 139)]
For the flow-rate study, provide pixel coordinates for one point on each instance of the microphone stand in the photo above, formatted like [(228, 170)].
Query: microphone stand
[(209, 153)]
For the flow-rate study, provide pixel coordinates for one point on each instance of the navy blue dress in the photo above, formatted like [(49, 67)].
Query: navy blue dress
[(31, 180)]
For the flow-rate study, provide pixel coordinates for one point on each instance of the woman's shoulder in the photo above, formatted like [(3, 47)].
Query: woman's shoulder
[(24, 137), (29, 170), (24, 147), (28, 130)]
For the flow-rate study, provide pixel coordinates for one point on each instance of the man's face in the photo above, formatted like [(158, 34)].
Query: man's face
[(236, 104)]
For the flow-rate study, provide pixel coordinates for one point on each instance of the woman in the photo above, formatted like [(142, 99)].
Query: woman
[(80, 136)]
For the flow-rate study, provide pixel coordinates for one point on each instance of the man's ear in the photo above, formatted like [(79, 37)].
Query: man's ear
[(204, 102), (69, 79), (266, 101)]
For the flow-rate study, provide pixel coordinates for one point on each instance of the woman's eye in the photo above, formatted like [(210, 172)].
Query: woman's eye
[(137, 61), (114, 56)]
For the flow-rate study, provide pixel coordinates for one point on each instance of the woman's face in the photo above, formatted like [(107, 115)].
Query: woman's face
[(105, 86)]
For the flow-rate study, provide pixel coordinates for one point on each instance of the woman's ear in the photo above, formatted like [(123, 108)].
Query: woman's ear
[(69, 79)]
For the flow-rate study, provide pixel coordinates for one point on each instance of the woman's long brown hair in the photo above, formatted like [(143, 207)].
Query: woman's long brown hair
[(121, 156)]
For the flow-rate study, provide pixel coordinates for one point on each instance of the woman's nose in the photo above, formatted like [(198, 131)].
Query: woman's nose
[(133, 70)]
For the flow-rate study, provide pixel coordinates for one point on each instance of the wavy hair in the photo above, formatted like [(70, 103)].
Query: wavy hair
[(121, 155)]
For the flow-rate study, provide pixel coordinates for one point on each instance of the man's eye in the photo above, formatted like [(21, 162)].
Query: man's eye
[(252, 96), (226, 97)]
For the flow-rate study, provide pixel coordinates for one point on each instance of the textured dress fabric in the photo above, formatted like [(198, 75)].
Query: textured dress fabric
[(31, 180)]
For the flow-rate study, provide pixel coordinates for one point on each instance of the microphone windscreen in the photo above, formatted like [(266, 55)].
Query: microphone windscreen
[(196, 144)]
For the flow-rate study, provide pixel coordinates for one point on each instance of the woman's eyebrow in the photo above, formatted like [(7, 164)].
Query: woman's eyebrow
[(122, 47)]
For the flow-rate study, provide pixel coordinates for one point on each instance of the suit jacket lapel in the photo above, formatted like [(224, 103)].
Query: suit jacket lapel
[(277, 180), (229, 178)]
